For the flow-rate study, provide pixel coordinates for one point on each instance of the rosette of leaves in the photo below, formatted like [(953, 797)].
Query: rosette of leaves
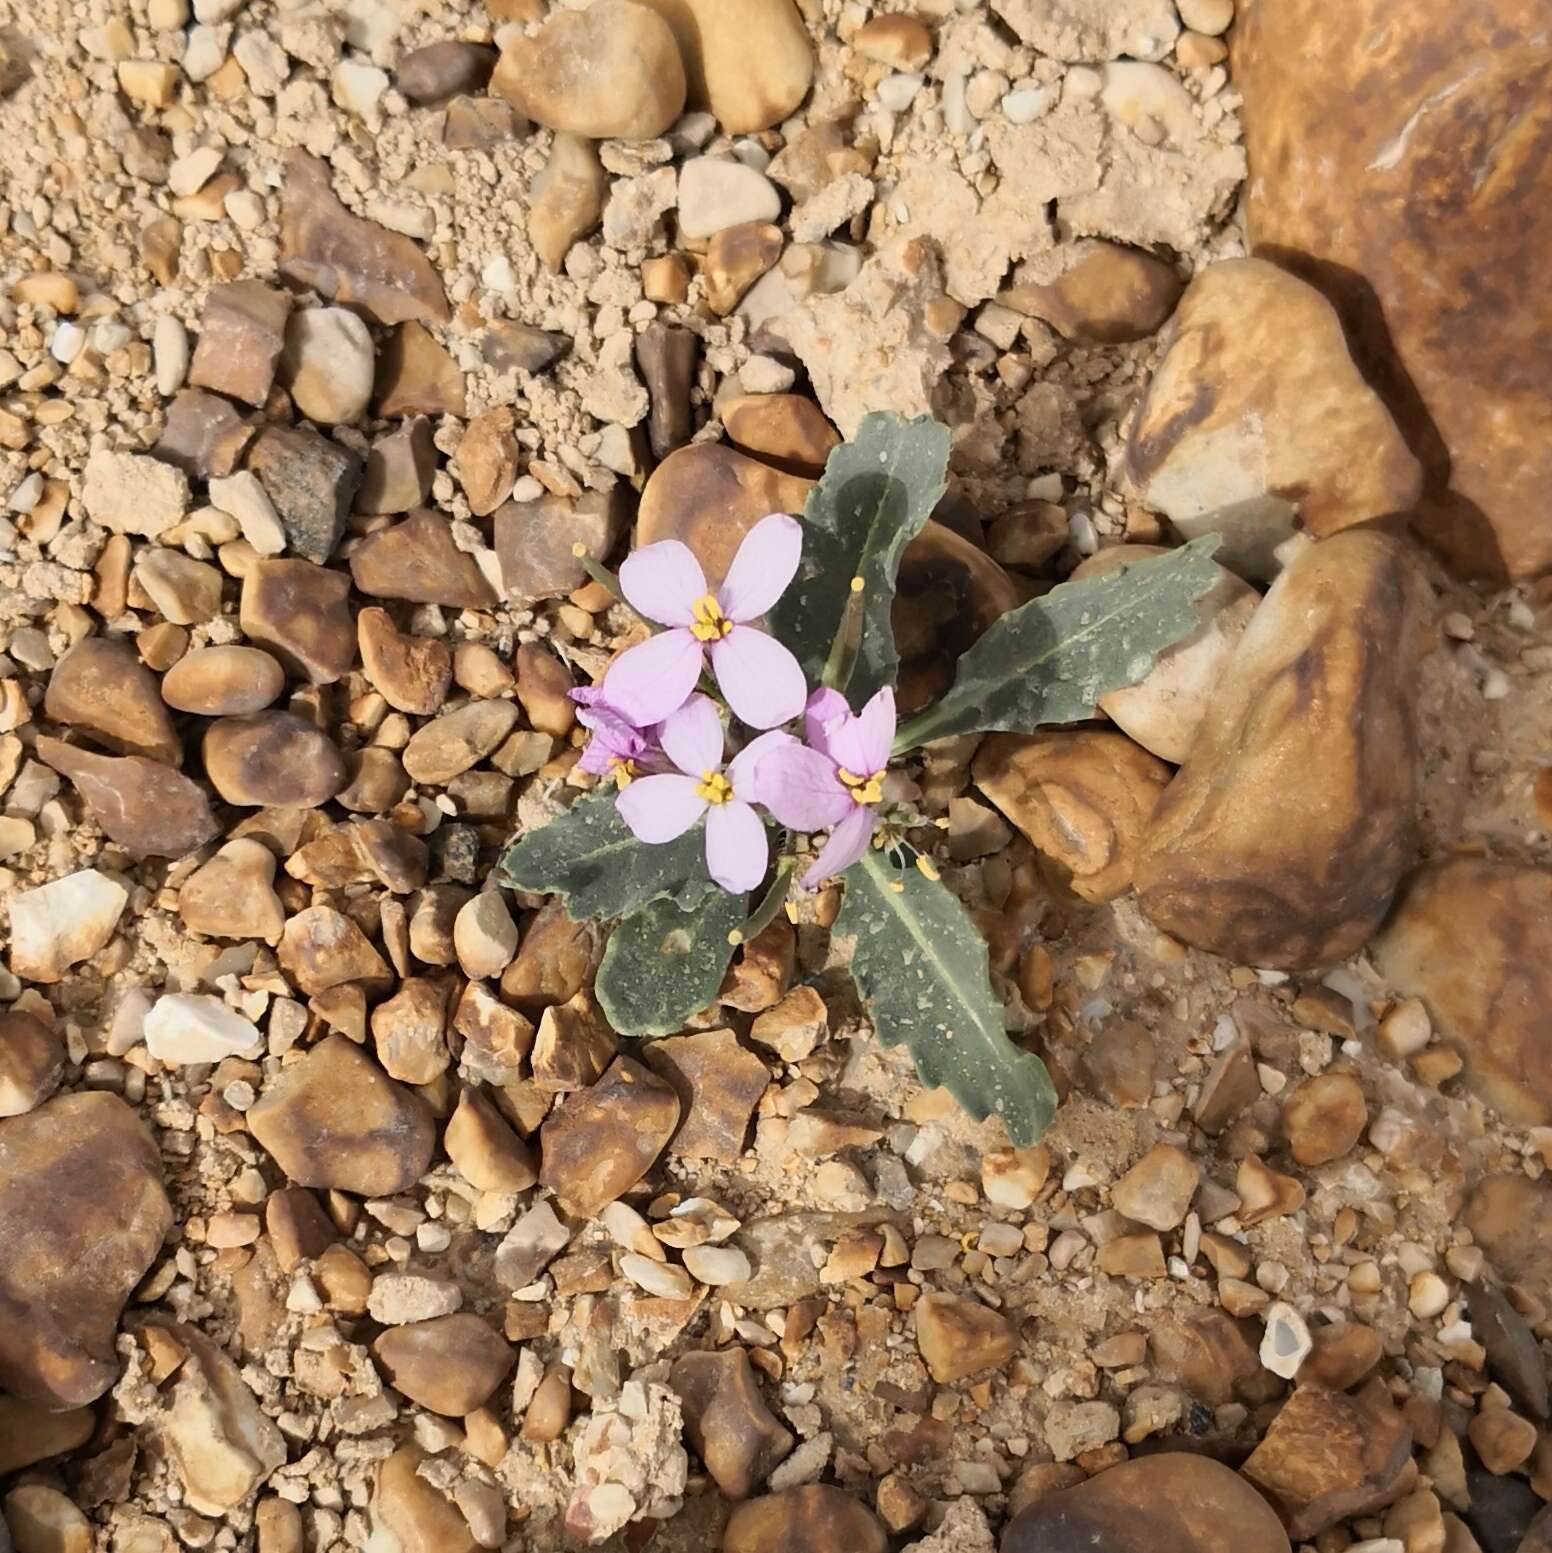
[(920, 964)]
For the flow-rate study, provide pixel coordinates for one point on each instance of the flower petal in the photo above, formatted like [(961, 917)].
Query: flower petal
[(861, 745), (692, 737), (848, 841), (825, 708), (743, 769), (660, 808), (652, 679), (799, 786), (736, 849), (662, 581), (759, 678), (766, 562)]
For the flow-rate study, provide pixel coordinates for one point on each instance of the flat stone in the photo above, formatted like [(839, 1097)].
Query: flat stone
[(532, 1243), (727, 1421), (59, 924), (1084, 800), (336, 1120), (1513, 1354), (486, 462), (323, 948), (534, 540), (233, 895), (1324, 1117), (311, 482), (566, 201), (786, 430), (719, 1083), (148, 808), (227, 681), (450, 1364), (438, 71), (134, 493), (417, 375), (417, 560), (203, 435), (349, 259), (1241, 409), (413, 673), (1510, 1217), (300, 612), (452, 743), (328, 364), (43, 1520), (666, 357), (101, 687), (241, 496), (815, 1518), (1473, 939), (1328, 1456), (600, 1141), (182, 590), (399, 468), (241, 331), (272, 760), (487, 1153), (1178, 1500), (1081, 30), (83, 1214), (1283, 837), (749, 62), (510, 346), (32, 1062), (611, 72), (959, 1337)]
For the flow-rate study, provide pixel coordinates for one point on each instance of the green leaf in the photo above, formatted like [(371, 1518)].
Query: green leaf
[(920, 965), (876, 493), (588, 856), (1050, 660), (664, 964)]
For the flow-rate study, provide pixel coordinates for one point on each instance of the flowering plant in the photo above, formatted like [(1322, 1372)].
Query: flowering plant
[(681, 840)]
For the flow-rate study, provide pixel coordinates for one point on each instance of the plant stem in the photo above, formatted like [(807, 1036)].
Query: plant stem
[(765, 912), (915, 731), (598, 572), (848, 642)]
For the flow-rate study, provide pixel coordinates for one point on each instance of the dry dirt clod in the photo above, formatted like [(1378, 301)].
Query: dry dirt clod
[(227, 681), (241, 333), (727, 1421), (134, 493), (816, 1518), (272, 759), (334, 1119), (32, 1062), (101, 687), (148, 808), (450, 1364), (417, 560)]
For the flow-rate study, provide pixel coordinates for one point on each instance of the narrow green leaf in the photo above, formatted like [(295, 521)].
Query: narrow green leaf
[(588, 856), (876, 493), (1050, 660), (664, 964), (920, 965)]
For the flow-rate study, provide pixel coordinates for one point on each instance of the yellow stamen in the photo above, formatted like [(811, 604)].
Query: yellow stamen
[(714, 787), (623, 771), (708, 623), (864, 789), (928, 867)]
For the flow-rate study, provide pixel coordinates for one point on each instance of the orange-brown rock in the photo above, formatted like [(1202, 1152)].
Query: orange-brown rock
[(1324, 1117), (727, 1421), (1096, 292), (487, 459), (418, 561), (719, 1083), (534, 541), (786, 430), (335, 1119), (204, 434), (82, 1216), (556, 959), (412, 672), (1328, 1456), (29, 1433), (299, 611), (1255, 403), (408, 1031), (736, 257), (1473, 939), (101, 687), (1084, 800), (487, 1153), (416, 375), (961, 1337), (815, 1518), (1510, 1217), (417, 1516), (1282, 838), (347, 258), (147, 807), (323, 948), (1404, 171), (228, 681), (1208, 1353), (32, 1062), (272, 760), (242, 328), (1173, 1502), (450, 1364), (457, 740)]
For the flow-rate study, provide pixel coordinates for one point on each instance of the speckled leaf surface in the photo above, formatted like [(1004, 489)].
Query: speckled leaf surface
[(665, 963)]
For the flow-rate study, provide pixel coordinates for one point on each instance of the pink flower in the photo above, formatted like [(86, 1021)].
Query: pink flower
[(662, 808), (759, 678), (617, 748), (834, 782)]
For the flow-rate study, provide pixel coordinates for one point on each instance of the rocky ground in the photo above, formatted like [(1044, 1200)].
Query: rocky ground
[(331, 1211)]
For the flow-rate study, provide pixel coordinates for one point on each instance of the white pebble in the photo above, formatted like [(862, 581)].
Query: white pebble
[(716, 1265), (1027, 104), (662, 1279), (897, 92), (186, 1027), (1286, 1343), (170, 348), (67, 342)]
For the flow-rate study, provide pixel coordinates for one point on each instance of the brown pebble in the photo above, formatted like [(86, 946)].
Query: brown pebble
[(376, 781), (1324, 1118), (228, 681), (203, 435), (242, 328), (544, 686), (399, 468), (566, 200), (534, 542), (786, 430), (416, 375), (455, 741), (100, 687), (311, 482), (450, 1364), (719, 1083), (666, 356), (233, 895), (300, 612), (549, 1412), (1118, 1064), (736, 257), (32, 1062), (321, 948), (1158, 1189), (412, 672), (727, 1421), (959, 1338), (418, 561), (432, 74), (1099, 293), (408, 1031), (815, 1518), (485, 1150), (272, 759), (1343, 1353), (486, 461), (1503, 1440), (901, 42)]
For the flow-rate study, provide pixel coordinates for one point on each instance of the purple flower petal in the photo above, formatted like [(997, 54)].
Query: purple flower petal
[(760, 680), (736, 849), (660, 808), (861, 745), (799, 786), (766, 562), (692, 737), (743, 769), (848, 841), (649, 681), (662, 581), (825, 709)]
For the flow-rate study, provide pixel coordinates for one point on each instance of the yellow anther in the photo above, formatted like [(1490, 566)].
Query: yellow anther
[(968, 1240), (714, 787), (579, 550), (864, 789), (928, 867), (856, 585), (623, 771), (735, 938), (707, 622)]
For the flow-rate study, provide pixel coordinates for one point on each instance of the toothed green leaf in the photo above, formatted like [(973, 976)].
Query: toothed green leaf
[(920, 964), (664, 964)]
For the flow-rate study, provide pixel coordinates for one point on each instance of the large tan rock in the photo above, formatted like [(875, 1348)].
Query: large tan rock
[(1174, 1502), (1256, 401), (1510, 1217), (1282, 838), (409, 1513), (101, 687), (816, 1518), (1473, 939), (450, 1364), (1406, 171), (150, 809), (83, 1214)]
